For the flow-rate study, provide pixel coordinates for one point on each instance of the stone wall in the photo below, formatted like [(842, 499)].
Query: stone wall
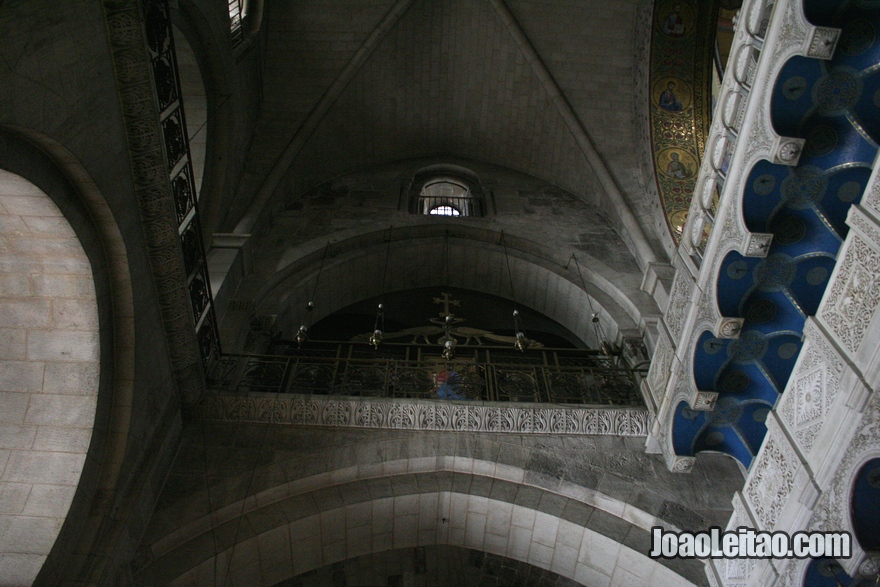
[(292, 496), (355, 212), (431, 566), (61, 128), (49, 365)]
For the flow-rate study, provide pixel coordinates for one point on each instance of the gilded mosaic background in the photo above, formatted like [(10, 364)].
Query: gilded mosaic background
[(681, 61)]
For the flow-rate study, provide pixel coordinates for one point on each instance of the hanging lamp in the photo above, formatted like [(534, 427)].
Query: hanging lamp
[(447, 340), (302, 334), (379, 325), (522, 342)]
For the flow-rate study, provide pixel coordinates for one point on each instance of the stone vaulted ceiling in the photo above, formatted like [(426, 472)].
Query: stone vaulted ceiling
[(544, 88)]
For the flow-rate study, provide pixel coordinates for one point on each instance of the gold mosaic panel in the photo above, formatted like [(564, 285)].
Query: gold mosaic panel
[(681, 74)]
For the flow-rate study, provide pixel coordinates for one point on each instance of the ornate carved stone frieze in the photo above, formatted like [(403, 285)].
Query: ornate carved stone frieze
[(661, 367), (821, 42), (728, 327), (736, 572), (859, 220), (854, 294), (760, 138), (707, 313), (731, 231), (674, 462), (787, 151), (307, 410), (794, 570), (153, 190), (679, 303), (678, 464), (757, 244), (771, 478), (871, 199), (711, 576), (705, 400), (793, 28), (811, 390), (832, 511)]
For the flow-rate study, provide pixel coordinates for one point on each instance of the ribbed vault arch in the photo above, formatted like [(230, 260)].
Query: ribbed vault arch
[(417, 258), (299, 509)]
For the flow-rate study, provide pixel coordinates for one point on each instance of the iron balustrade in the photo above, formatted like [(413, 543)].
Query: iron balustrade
[(464, 205), (558, 376)]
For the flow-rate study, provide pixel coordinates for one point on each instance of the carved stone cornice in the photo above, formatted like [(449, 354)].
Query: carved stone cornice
[(679, 304), (661, 368), (854, 294), (310, 410), (771, 478), (812, 387), (153, 190), (833, 510)]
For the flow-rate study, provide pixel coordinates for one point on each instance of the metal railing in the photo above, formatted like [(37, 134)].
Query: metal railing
[(464, 205), (559, 376)]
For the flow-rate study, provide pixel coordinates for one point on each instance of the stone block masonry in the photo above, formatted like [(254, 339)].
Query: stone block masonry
[(48, 373)]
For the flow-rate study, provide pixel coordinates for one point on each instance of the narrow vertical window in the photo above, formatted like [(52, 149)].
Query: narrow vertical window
[(237, 11)]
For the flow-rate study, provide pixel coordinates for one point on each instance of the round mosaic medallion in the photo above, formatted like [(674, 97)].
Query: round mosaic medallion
[(726, 412), (748, 347), (775, 272), (787, 350), (856, 37), (713, 345), (817, 275), (837, 91), (735, 382), (790, 230), (760, 415), (849, 191), (803, 187), (761, 311), (714, 438), (738, 269), (794, 87), (764, 184), (820, 141)]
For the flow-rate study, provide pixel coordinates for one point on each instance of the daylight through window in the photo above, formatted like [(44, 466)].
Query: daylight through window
[(444, 211), (237, 9), (445, 196)]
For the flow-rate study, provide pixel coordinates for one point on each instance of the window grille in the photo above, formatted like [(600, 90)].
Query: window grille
[(444, 211), (237, 10), (445, 197)]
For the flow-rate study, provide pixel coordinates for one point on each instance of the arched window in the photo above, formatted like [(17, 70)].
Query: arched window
[(447, 191), (447, 197), (444, 211)]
